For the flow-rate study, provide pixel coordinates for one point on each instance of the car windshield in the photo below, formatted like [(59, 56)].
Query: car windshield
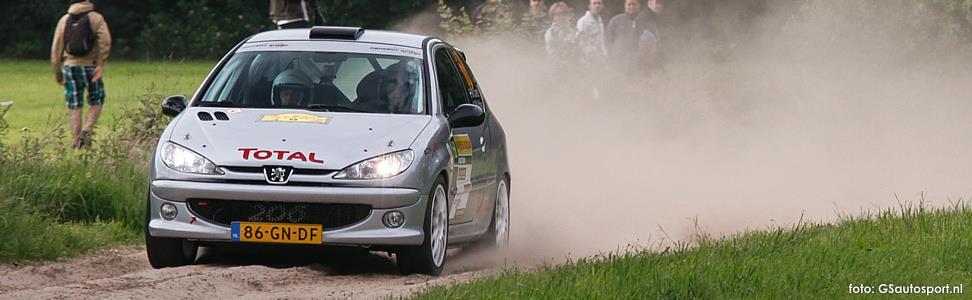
[(326, 81)]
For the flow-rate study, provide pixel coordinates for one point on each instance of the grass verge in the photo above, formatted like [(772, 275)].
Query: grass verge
[(28, 235), (77, 191), (56, 201), (911, 245)]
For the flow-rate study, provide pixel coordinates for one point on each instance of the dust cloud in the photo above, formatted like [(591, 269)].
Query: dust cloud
[(811, 117)]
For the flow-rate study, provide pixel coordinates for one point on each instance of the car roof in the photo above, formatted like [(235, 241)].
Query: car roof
[(368, 36)]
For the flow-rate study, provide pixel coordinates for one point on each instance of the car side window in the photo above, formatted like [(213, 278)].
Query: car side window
[(451, 88), (472, 87)]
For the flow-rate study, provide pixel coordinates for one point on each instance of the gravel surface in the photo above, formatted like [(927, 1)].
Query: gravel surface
[(124, 272)]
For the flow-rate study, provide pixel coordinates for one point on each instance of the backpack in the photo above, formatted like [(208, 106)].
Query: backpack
[(79, 39)]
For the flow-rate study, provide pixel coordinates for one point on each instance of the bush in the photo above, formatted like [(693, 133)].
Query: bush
[(29, 235), (179, 29), (57, 201)]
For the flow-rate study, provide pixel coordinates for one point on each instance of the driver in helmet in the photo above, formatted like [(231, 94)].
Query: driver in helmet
[(398, 87), (388, 91), (292, 88)]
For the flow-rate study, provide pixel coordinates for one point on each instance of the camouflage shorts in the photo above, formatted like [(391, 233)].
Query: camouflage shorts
[(77, 79)]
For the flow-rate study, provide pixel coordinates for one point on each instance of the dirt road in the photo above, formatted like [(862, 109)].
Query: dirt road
[(124, 272)]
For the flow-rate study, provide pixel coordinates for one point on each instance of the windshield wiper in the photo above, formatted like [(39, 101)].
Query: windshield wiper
[(327, 107), (221, 103)]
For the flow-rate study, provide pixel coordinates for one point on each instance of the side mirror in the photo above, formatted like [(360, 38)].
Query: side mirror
[(173, 105), (467, 115)]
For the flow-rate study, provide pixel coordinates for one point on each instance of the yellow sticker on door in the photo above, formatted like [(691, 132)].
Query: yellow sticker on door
[(463, 144)]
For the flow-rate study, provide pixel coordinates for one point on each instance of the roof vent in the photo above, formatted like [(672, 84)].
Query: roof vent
[(336, 33), (221, 116), (204, 116)]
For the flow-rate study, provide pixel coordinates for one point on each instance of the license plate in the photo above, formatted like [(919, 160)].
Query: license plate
[(276, 233)]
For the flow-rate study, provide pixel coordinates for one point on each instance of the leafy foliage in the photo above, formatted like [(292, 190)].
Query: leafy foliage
[(56, 201), (492, 17), (452, 23), (182, 29), (372, 13)]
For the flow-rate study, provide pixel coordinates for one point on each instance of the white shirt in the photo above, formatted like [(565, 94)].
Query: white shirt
[(590, 37)]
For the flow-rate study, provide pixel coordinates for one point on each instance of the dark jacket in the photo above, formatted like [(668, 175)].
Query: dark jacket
[(621, 37), (287, 11)]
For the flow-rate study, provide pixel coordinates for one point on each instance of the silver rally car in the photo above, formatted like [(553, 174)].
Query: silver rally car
[(332, 136)]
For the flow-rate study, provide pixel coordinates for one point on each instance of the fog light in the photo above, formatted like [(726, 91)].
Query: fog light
[(169, 211), (393, 219)]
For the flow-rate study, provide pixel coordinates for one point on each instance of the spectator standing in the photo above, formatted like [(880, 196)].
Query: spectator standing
[(538, 7), (492, 16), (648, 35), (590, 33), (295, 13), (560, 38), (534, 21), (621, 37), (79, 51)]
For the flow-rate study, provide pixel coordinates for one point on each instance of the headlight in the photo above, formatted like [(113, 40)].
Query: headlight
[(384, 166), (184, 160)]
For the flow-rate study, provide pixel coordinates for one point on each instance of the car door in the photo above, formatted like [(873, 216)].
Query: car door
[(466, 142), (487, 167)]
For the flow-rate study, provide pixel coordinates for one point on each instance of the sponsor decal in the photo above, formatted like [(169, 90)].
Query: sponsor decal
[(271, 45), (462, 150), (295, 118), (461, 200), (234, 111), (464, 173), (463, 144), (463, 187), (263, 154), (459, 205), (397, 50)]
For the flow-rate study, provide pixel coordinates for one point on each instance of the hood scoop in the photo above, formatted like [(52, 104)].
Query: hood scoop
[(205, 116)]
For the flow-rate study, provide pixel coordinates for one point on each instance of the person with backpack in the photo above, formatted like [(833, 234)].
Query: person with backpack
[(78, 53), (288, 14)]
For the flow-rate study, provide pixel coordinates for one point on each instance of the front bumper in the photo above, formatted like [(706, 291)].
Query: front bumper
[(369, 231)]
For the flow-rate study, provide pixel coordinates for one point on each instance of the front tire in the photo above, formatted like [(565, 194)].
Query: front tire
[(168, 252), (429, 258)]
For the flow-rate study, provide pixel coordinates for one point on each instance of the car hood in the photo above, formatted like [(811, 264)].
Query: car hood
[(298, 138)]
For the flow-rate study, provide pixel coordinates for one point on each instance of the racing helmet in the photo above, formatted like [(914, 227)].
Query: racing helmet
[(398, 84), (292, 88)]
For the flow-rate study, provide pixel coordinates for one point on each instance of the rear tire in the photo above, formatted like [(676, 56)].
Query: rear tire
[(429, 258), (168, 252), (497, 237)]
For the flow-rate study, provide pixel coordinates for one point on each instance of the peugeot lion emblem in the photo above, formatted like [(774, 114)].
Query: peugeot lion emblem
[(277, 174)]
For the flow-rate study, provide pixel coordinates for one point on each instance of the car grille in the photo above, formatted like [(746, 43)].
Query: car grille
[(297, 171), (331, 216)]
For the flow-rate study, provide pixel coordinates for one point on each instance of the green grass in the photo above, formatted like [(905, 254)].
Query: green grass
[(57, 202), (65, 208), (28, 235), (39, 100), (919, 246), (75, 191)]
